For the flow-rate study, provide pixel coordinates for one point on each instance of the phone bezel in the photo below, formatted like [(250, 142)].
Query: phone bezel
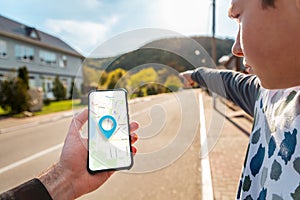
[(129, 139)]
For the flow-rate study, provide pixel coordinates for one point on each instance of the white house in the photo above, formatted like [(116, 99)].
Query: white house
[(44, 55)]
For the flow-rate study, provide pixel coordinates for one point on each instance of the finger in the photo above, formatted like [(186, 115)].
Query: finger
[(134, 137), (187, 79), (80, 119), (188, 83), (134, 126), (183, 79), (134, 150)]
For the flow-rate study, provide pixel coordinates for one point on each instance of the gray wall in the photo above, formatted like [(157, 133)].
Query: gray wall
[(42, 75)]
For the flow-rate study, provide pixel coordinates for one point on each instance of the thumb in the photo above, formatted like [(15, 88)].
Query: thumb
[(79, 120)]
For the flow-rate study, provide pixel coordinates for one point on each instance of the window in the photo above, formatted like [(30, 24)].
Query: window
[(63, 61), (32, 82), (24, 53), (31, 32), (34, 34), (3, 49), (47, 58)]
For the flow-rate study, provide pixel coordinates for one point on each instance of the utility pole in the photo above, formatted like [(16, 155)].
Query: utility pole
[(213, 49), (213, 43)]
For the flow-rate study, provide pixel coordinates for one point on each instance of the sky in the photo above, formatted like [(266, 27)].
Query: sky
[(88, 24)]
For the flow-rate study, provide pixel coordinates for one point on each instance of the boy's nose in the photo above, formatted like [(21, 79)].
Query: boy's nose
[(236, 48)]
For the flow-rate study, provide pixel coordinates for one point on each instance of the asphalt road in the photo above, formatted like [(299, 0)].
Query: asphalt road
[(167, 165)]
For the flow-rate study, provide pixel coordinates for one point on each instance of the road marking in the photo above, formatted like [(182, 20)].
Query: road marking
[(49, 150), (42, 153), (207, 188), (30, 158)]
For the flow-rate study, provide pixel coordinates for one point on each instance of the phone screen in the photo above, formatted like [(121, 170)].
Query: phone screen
[(108, 131)]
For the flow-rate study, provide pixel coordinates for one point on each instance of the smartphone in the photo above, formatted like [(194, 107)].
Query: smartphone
[(109, 142)]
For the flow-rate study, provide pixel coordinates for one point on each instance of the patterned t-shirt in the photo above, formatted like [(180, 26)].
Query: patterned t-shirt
[(272, 165)]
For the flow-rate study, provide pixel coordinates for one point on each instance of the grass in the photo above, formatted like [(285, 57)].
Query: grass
[(55, 106), (3, 112), (58, 106)]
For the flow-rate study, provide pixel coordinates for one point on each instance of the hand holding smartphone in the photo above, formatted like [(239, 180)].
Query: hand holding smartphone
[(109, 142)]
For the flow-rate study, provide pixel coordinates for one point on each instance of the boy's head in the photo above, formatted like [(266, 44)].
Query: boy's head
[(268, 39)]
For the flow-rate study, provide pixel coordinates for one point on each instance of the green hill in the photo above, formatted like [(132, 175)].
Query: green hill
[(173, 55), (178, 53)]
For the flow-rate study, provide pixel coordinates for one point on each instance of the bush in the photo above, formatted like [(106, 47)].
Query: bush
[(59, 91), (47, 102), (14, 96), (152, 89)]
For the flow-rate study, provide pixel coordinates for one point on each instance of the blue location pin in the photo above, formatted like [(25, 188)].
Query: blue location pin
[(110, 125)]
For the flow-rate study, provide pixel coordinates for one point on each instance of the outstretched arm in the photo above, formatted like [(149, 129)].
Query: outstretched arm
[(240, 88)]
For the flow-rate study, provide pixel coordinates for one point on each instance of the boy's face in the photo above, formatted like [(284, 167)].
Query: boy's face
[(269, 40)]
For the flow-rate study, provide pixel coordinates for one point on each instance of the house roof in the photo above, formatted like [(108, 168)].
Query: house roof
[(16, 30)]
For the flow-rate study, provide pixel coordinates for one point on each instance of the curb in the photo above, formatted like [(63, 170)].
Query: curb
[(57, 117)]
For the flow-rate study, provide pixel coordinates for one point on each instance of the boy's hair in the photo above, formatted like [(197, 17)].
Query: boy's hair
[(268, 3)]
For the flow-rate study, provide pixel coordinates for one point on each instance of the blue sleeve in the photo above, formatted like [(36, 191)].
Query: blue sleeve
[(242, 89)]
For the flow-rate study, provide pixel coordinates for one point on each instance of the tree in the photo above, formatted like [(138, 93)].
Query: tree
[(102, 78), (114, 79), (173, 83), (23, 75), (14, 95), (59, 91), (74, 92), (144, 76)]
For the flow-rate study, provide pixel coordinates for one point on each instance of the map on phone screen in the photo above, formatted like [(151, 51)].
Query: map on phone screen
[(109, 143)]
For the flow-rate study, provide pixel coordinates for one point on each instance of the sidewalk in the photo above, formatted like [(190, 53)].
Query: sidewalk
[(12, 124), (228, 147)]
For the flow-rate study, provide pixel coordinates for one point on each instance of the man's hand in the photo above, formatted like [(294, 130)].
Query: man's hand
[(187, 78), (69, 178)]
